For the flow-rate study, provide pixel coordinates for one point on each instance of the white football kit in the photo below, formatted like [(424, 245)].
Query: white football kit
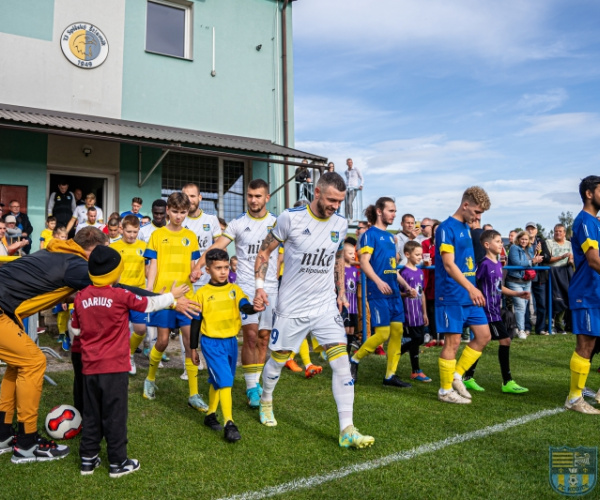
[(248, 234), (307, 297), (207, 229), (80, 214), (146, 231)]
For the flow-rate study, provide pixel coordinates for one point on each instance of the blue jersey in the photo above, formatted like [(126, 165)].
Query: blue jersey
[(380, 244), (584, 289), (453, 236)]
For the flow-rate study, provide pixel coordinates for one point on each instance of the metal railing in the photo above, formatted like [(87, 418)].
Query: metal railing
[(363, 281)]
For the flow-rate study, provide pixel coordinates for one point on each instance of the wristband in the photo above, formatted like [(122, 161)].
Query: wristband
[(260, 283)]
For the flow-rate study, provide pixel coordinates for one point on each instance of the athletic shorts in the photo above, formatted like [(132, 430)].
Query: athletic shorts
[(288, 333), (351, 320), (138, 318), (221, 359), (586, 322), (414, 332), (498, 330), (264, 319), (386, 311), (452, 319), (168, 318)]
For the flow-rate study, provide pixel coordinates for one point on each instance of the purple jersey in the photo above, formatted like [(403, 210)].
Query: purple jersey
[(489, 281), (413, 307), (232, 278), (351, 287)]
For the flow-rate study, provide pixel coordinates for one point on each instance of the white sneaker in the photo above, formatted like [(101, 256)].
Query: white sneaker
[(522, 335), (184, 376), (459, 386), (453, 397), (160, 364), (133, 370), (581, 406)]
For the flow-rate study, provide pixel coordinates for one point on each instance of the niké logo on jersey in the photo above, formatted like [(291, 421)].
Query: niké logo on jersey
[(318, 259), (253, 249)]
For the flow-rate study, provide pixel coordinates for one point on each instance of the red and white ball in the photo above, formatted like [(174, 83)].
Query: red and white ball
[(63, 422)]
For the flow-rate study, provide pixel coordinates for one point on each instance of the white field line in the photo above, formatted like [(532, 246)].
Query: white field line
[(310, 482)]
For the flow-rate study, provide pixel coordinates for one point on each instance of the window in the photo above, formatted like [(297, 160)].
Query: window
[(179, 169), (169, 28)]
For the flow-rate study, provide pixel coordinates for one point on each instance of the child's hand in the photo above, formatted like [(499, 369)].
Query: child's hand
[(179, 291), (195, 357), (524, 295), (413, 293), (64, 306), (188, 307), (425, 320), (195, 275)]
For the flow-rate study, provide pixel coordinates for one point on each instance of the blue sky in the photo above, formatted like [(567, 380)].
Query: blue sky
[(432, 96)]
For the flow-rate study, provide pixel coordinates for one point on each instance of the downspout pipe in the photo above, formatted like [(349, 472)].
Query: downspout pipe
[(284, 67)]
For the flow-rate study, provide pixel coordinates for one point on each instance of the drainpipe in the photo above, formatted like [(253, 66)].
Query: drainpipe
[(285, 93)]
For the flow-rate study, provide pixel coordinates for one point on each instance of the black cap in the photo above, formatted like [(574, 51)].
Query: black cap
[(104, 266)]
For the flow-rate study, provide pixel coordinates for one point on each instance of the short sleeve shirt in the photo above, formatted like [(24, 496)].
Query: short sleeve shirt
[(584, 289), (380, 244), (489, 281), (413, 306)]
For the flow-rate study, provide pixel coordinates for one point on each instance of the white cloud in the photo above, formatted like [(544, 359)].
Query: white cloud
[(542, 103), (574, 124), (507, 31)]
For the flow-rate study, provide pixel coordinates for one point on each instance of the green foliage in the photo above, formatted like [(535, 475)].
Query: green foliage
[(181, 458), (566, 219)]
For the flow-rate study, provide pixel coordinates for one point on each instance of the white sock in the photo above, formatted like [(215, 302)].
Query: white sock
[(257, 381), (271, 374), (250, 380), (182, 350), (457, 376), (343, 390)]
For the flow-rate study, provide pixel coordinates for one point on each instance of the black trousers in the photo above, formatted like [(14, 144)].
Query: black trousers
[(105, 415), (77, 381)]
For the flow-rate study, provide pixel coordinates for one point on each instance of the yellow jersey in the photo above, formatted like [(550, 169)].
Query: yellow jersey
[(221, 317), (134, 263), (175, 252)]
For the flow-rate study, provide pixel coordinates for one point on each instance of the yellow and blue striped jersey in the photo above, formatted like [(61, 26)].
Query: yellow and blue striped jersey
[(584, 289), (134, 263), (175, 252), (221, 316)]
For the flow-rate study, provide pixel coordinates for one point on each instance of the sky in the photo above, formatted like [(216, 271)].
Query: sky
[(429, 97)]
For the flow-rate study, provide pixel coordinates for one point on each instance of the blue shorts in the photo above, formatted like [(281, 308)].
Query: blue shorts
[(168, 318), (386, 311), (586, 322), (221, 359), (452, 319), (138, 318)]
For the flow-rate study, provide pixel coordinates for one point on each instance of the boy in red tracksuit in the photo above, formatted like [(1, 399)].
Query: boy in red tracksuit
[(101, 320)]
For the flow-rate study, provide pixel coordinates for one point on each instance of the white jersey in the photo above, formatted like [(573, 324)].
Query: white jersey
[(308, 286), (146, 231), (81, 225), (80, 214), (207, 229), (248, 234)]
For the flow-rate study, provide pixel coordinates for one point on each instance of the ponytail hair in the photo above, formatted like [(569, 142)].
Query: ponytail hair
[(371, 210)]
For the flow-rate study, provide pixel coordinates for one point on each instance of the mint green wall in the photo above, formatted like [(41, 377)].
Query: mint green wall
[(30, 18), (239, 100), (128, 178), (23, 163)]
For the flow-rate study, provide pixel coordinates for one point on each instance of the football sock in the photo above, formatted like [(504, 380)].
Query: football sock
[(470, 373), (62, 320), (155, 357), (466, 360), (504, 359), (291, 356), (305, 353), (183, 358), (134, 341), (192, 373), (414, 349), (341, 384), (393, 350), (447, 367), (213, 399), (250, 375), (259, 372), (580, 367), (271, 374), (382, 333), (226, 403)]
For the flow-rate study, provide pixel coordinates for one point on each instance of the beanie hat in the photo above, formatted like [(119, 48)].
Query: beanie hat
[(104, 266)]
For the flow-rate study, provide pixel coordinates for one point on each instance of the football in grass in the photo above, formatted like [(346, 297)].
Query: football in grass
[(63, 422)]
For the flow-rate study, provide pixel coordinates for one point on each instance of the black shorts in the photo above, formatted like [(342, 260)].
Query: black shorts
[(498, 330), (414, 332), (351, 320)]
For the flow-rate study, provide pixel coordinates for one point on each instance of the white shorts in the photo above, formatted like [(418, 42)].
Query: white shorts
[(288, 333), (263, 318)]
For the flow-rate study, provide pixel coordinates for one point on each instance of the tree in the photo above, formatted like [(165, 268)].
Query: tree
[(566, 219)]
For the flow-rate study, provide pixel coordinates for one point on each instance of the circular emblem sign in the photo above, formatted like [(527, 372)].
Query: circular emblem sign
[(84, 45)]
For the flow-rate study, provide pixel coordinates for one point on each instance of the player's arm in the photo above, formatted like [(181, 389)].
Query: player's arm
[(410, 292), (195, 337), (340, 278), (247, 308), (425, 317), (455, 273), (51, 203), (515, 293), (590, 247), (71, 222), (367, 268), (151, 274), (261, 265), (221, 244)]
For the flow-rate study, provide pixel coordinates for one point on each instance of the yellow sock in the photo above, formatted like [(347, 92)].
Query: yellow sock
[(62, 320), (393, 350), (192, 373), (213, 399), (336, 352), (305, 353), (382, 333), (155, 357), (226, 404), (292, 356), (580, 367), (134, 341), (447, 367), (466, 360)]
